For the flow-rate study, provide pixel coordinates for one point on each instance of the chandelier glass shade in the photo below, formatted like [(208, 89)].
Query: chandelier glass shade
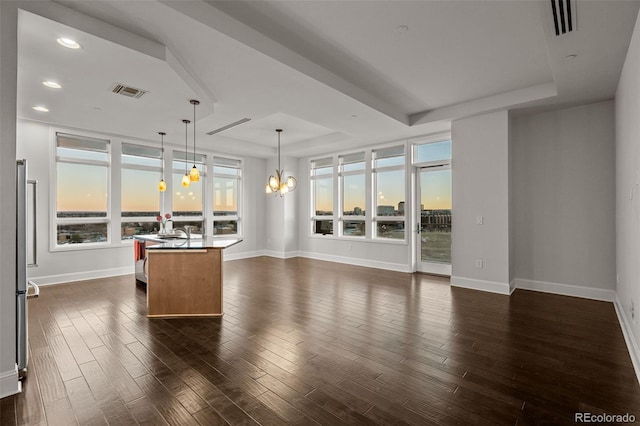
[(162, 185), (278, 183), (194, 176), (186, 180)]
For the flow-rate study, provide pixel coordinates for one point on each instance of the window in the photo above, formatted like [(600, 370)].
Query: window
[(139, 195), (432, 152), (353, 194), (82, 190), (188, 202), (226, 184), (389, 190), (322, 177)]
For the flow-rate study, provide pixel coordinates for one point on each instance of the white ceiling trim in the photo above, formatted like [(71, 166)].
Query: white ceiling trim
[(488, 104)]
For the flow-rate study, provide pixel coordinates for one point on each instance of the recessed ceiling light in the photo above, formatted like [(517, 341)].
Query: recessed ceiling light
[(572, 56), (354, 116), (401, 29), (41, 108), (52, 84), (67, 42)]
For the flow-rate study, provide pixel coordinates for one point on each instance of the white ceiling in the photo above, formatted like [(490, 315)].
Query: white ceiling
[(334, 75)]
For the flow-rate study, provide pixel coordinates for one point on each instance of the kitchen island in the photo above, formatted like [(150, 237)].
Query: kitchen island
[(184, 276)]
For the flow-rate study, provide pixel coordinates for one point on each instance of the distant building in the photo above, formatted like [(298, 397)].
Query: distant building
[(357, 211), (386, 211), (401, 208)]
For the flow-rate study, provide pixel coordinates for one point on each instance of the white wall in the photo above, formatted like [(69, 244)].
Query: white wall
[(8, 69), (480, 187), (627, 161), (564, 200), (34, 142)]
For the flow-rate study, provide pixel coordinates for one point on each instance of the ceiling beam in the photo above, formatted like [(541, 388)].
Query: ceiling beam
[(210, 15)]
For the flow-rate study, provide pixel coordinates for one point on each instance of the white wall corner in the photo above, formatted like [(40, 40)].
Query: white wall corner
[(398, 267), (275, 253), (9, 383), (482, 285), (629, 338), (81, 276), (566, 289)]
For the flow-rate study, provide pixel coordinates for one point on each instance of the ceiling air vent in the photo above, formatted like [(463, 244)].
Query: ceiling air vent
[(564, 16), (128, 91), (228, 126)]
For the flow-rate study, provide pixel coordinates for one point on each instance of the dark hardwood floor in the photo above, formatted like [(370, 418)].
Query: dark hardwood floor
[(308, 342)]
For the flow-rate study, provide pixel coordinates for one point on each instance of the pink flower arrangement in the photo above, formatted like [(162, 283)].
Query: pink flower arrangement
[(165, 219)]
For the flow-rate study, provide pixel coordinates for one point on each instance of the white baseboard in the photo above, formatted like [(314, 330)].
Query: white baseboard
[(81, 276), (9, 383), (473, 284), (280, 254), (629, 337), (398, 267), (566, 289), (245, 255)]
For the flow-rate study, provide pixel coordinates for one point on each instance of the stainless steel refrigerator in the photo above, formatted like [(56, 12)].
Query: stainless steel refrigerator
[(22, 284)]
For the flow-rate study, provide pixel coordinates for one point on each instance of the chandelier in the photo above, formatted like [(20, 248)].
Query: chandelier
[(279, 184)]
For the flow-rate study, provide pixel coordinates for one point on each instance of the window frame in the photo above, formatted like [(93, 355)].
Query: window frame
[(375, 170), (177, 219), (313, 177), (54, 220), (123, 166), (239, 197), (342, 217)]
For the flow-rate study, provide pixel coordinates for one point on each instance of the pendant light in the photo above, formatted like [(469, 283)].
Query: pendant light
[(195, 173), (278, 184), (162, 186), (186, 181)]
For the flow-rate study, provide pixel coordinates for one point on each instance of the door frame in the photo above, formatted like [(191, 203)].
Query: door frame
[(434, 268)]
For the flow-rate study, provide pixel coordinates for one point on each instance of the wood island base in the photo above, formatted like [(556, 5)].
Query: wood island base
[(184, 283)]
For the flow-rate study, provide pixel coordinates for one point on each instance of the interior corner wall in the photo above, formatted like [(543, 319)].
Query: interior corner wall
[(564, 200), (8, 85), (627, 166), (480, 187)]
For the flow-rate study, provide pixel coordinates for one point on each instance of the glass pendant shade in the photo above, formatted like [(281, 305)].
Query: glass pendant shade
[(194, 175), (162, 186), (186, 181)]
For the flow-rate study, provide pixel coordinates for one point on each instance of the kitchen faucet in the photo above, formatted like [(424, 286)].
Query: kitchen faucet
[(186, 230)]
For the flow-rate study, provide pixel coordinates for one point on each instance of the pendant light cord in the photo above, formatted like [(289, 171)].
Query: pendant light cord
[(162, 150), (194, 134), (186, 149), (279, 131)]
